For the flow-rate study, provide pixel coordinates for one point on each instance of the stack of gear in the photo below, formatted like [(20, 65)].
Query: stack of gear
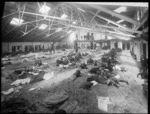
[(77, 74), (83, 66), (104, 72), (69, 60), (38, 62), (90, 61), (144, 75)]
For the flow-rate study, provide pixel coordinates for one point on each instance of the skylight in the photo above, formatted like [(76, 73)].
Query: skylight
[(44, 9), (69, 31), (47, 35), (120, 21), (121, 9), (59, 29), (43, 27), (64, 16), (16, 21), (81, 9), (74, 22)]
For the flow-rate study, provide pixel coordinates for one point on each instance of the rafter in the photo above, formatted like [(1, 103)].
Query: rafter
[(114, 14), (108, 20), (143, 20), (55, 8), (132, 4), (116, 28), (95, 15), (75, 8)]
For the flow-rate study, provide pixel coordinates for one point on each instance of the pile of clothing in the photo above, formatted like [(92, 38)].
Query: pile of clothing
[(69, 60), (29, 75), (103, 73)]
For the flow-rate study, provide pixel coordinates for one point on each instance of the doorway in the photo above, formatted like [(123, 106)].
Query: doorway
[(94, 46), (13, 48), (116, 45), (144, 50), (128, 46), (123, 46)]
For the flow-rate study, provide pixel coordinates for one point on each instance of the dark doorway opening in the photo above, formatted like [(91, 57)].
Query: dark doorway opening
[(116, 45), (13, 48), (128, 46), (91, 45), (144, 50), (123, 46), (94, 46)]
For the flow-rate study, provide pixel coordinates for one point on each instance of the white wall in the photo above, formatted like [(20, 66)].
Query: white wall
[(23, 44), (5, 47), (120, 44), (137, 50), (112, 44)]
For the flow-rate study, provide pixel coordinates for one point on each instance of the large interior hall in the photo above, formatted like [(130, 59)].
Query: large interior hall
[(74, 57)]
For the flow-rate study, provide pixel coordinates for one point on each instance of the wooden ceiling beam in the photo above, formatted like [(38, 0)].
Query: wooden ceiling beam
[(55, 8), (95, 15), (108, 20), (143, 20), (75, 8), (114, 14), (128, 30)]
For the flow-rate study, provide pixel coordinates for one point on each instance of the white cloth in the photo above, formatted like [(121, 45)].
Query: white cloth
[(33, 73), (61, 66), (21, 81), (117, 76), (94, 83), (32, 89), (8, 91), (117, 67), (66, 66), (48, 76)]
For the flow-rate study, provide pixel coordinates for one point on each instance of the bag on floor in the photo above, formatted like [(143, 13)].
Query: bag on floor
[(103, 103)]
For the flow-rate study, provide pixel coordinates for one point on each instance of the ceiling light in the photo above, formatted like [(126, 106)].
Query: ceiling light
[(81, 9), (16, 21), (64, 16), (43, 26), (44, 9), (121, 9), (120, 21), (74, 22), (59, 29)]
